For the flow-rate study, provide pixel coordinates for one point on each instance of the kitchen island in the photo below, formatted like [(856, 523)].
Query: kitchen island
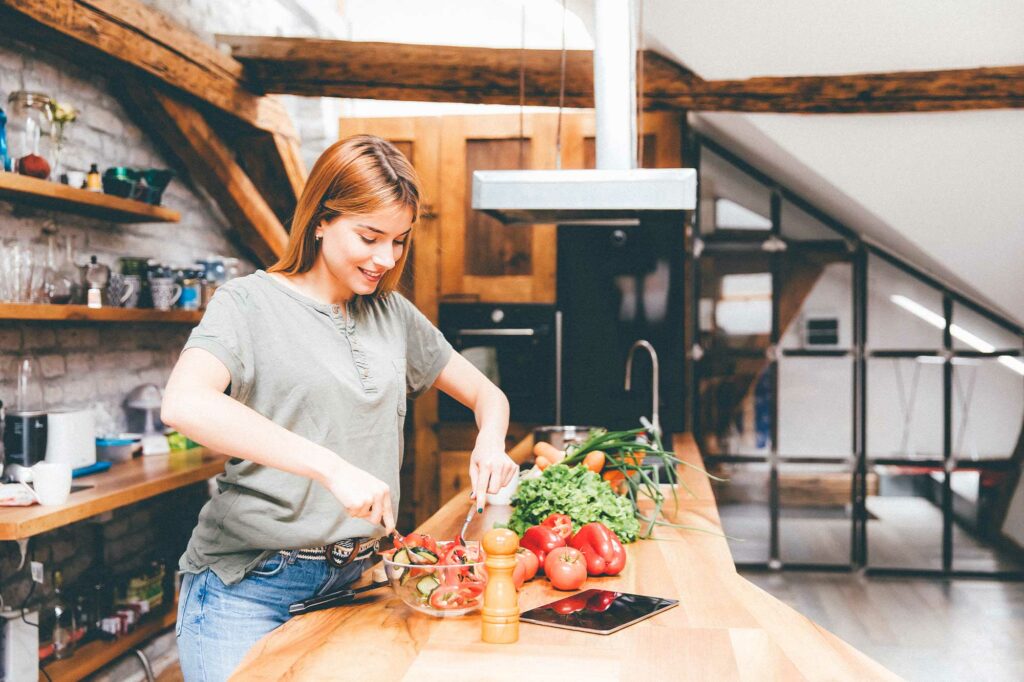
[(724, 628)]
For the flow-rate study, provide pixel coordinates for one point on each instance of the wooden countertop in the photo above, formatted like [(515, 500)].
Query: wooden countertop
[(724, 628), (123, 484)]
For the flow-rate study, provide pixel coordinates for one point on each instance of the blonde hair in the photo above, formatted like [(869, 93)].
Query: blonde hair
[(358, 175)]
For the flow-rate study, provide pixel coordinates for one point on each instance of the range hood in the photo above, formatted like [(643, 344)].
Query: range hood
[(616, 192)]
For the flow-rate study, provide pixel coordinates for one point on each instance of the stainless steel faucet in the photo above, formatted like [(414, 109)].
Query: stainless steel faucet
[(655, 422)]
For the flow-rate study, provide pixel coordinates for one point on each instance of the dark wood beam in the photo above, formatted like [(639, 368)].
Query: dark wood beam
[(128, 36), (441, 73), (185, 134)]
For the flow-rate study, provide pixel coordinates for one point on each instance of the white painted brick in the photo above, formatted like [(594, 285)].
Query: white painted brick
[(52, 366), (53, 394), (139, 359), (77, 363)]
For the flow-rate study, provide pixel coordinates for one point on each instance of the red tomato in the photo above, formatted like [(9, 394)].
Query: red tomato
[(560, 523), (526, 567), (566, 568), (447, 597), (420, 540)]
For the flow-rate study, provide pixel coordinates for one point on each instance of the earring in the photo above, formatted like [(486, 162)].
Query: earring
[(318, 237)]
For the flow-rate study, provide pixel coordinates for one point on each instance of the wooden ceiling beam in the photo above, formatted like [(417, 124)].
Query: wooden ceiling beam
[(129, 36), (184, 133), (440, 73)]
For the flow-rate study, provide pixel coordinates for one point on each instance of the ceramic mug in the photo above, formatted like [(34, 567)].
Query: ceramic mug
[(120, 288), (165, 291), (52, 482), (133, 299)]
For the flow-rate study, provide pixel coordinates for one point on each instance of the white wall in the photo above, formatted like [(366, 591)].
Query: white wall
[(815, 394)]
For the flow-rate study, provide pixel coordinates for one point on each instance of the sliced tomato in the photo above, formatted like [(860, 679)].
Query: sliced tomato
[(420, 540)]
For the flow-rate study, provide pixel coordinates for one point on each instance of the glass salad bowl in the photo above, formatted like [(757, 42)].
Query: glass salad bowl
[(444, 583)]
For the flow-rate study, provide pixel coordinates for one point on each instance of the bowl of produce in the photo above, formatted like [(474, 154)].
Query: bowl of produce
[(441, 579)]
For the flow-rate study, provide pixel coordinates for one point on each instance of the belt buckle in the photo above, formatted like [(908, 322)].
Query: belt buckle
[(329, 553)]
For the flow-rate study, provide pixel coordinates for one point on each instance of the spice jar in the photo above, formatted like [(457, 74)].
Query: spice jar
[(29, 122)]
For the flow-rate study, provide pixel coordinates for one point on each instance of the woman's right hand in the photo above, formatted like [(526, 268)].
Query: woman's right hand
[(362, 495)]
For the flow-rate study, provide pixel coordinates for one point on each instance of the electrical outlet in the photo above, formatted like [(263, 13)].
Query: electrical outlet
[(37, 571)]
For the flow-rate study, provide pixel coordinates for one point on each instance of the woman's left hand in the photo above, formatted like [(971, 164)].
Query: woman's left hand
[(490, 469)]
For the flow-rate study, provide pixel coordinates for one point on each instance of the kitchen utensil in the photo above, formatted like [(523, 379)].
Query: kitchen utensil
[(71, 438), (120, 289), (401, 543), (443, 590), (165, 291), (96, 275), (332, 599), (147, 399), (132, 301), (461, 537)]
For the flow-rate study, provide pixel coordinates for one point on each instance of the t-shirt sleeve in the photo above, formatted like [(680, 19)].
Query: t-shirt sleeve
[(224, 333), (426, 350)]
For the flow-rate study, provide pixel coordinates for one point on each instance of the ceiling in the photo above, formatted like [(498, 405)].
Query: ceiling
[(944, 190)]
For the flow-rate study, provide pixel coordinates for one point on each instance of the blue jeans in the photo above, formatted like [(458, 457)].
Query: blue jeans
[(218, 623)]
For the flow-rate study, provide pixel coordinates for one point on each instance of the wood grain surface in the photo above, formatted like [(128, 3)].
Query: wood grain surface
[(123, 484), (724, 628), (22, 189), (445, 73)]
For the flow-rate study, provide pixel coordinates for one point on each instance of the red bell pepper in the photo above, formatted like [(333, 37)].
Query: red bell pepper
[(602, 549), (560, 523), (540, 540)]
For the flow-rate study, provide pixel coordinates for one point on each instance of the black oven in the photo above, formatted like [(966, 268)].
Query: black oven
[(518, 346)]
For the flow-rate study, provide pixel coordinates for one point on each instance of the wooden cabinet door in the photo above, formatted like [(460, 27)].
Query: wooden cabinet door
[(481, 259), (419, 139)]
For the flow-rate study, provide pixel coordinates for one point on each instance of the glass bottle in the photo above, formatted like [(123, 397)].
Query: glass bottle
[(57, 285), (62, 611), (70, 272), (30, 119), (5, 162)]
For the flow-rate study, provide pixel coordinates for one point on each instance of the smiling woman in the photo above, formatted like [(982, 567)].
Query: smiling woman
[(301, 374)]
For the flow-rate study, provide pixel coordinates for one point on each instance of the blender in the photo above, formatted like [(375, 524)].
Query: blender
[(26, 425)]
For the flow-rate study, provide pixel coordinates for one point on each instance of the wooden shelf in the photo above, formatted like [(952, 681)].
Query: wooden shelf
[(124, 484), (23, 189), (96, 654), (29, 311)]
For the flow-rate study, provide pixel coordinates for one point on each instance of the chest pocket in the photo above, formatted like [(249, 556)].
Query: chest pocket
[(399, 364)]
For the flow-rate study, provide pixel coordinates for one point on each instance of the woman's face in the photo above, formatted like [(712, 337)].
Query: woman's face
[(358, 250)]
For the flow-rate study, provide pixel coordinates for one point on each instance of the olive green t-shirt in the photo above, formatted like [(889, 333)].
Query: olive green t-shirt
[(336, 375)]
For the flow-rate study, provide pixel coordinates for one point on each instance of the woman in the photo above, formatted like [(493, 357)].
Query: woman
[(300, 374)]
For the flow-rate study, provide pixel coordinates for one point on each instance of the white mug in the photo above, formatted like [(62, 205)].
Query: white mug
[(52, 482)]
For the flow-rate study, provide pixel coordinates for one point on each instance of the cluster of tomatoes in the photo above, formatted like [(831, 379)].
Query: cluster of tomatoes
[(566, 557)]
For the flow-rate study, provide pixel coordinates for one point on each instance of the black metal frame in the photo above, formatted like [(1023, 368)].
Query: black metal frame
[(858, 252)]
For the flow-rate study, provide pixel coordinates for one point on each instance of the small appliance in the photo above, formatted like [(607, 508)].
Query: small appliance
[(143, 403), (25, 434), (71, 437)]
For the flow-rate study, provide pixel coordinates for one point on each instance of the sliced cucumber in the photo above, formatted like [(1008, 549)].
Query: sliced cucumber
[(427, 584), (425, 555)]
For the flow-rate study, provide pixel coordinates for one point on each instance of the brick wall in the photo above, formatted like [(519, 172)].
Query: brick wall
[(86, 363)]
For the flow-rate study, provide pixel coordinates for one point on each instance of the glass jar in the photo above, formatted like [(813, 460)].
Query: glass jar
[(29, 122)]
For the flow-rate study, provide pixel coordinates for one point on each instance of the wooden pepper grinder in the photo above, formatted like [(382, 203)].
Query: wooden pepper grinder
[(500, 622)]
